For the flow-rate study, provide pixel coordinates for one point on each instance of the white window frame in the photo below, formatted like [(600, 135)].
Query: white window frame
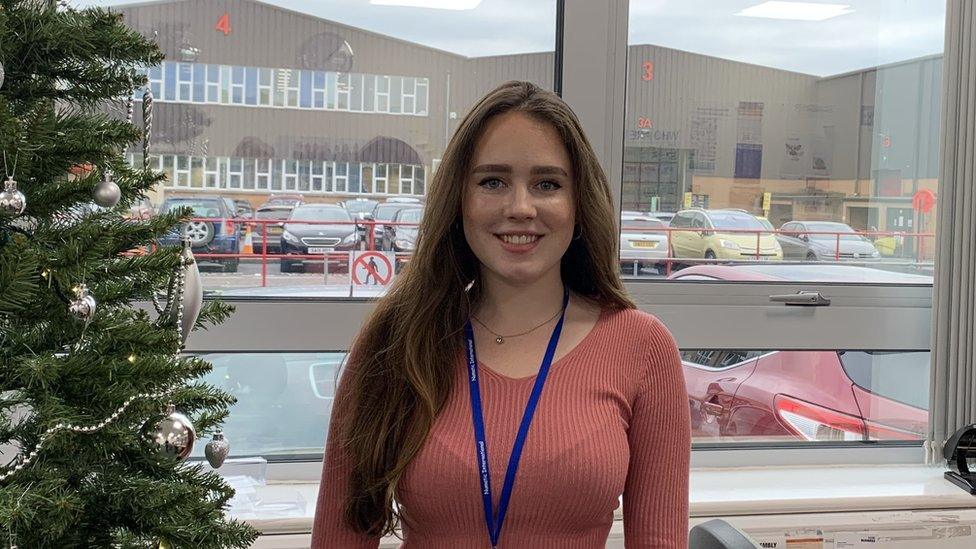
[(344, 178), (214, 174), (342, 91), (268, 86), (379, 94), (182, 83), (409, 168), (412, 95), (264, 176), (317, 176), (319, 93), (238, 86), (289, 178), (233, 174), (377, 179), (182, 175), (293, 88), (160, 82), (212, 94), (425, 84)]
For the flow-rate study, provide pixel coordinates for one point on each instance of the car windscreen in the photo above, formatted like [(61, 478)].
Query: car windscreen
[(900, 376), (385, 212), (360, 206), (641, 225), (411, 216), (727, 220), (845, 232), (274, 213), (201, 208), (319, 214)]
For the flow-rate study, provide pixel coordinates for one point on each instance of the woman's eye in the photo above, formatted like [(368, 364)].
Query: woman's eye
[(549, 185), (491, 183)]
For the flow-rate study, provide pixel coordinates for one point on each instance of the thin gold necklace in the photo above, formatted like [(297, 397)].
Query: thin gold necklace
[(499, 338)]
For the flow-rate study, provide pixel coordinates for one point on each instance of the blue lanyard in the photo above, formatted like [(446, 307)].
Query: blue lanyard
[(481, 445)]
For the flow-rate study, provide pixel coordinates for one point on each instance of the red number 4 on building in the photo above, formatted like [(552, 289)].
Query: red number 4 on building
[(223, 24)]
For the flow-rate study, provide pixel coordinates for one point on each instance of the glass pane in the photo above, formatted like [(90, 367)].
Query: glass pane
[(404, 84), (805, 121), (812, 396)]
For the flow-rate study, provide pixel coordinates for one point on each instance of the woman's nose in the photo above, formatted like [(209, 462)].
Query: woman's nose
[(520, 203)]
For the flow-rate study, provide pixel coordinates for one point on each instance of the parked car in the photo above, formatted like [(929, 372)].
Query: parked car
[(402, 238), (217, 234), (666, 217), (403, 200), (385, 212), (243, 208), (360, 208), (708, 234), (641, 244), (284, 200), (806, 395), (300, 237), (806, 240), (273, 230)]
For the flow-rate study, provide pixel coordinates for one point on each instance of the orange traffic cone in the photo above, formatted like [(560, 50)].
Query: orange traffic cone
[(248, 247)]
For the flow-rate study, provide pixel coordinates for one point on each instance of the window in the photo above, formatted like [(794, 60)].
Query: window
[(420, 181), (382, 94), (211, 172), (251, 86), (169, 82), (406, 179), (156, 81), (379, 178), (289, 170), (237, 86), (318, 90), (421, 108), (342, 91), (409, 95), (396, 94), (235, 173), (249, 174), (265, 86), (341, 176), (184, 81), (262, 173), (318, 176), (213, 84), (369, 92), (196, 172), (305, 90), (330, 86), (355, 177), (356, 92), (199, 83), (182, 171)]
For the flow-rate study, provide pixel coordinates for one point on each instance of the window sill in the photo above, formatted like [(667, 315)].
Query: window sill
[(728, 492)]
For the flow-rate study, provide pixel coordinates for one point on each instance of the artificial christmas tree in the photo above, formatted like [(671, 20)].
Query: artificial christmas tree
[(98, 407)]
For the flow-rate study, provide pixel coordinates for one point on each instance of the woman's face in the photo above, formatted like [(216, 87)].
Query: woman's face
[(518, 207)]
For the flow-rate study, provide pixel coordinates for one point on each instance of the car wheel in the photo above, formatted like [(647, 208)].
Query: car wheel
[(200, 233), (286, 267), (709, 255), (811, 256)]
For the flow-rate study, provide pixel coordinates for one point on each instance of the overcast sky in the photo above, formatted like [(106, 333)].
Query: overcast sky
[(874, 33)]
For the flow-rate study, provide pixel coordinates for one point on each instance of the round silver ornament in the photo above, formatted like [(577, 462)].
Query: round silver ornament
[(185, 296), (217, 449), (82, 307), (173, 436), (107, 193), (12, 201)]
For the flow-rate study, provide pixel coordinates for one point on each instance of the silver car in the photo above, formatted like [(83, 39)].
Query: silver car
[(824, 241), (643, 242)]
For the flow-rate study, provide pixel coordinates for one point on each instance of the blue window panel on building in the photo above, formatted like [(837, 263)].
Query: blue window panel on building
[(199, 83), (169, 90), (305, 89), (748, 161), (354, 184), (237, 91), (251, 86)]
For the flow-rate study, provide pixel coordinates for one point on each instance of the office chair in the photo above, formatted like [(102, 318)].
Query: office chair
[(718, 534)]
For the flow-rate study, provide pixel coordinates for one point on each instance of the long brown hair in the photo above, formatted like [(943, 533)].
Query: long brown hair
[(403, 362)]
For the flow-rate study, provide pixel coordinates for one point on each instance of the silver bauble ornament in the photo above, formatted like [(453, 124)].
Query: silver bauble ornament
[(12, 201), (82, 307), (107, 193), (185, 313), (173, 437), (217, 449)]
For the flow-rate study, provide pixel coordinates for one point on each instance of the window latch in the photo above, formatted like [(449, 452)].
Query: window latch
[(809, 299)]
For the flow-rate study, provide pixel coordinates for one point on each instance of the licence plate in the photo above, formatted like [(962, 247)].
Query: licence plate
[(643, 244), (274, 230), (320, 250)]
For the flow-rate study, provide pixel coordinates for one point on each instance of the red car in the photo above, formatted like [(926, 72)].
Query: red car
[(806, 395)]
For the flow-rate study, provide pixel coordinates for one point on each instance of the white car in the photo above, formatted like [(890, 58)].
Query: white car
[(643, 241)]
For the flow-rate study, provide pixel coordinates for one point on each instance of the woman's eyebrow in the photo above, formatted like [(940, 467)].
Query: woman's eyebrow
[(504, 168)]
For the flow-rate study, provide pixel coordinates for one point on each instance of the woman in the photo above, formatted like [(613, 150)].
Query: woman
[(506, 391)]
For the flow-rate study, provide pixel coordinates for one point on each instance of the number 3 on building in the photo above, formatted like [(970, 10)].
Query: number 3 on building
[(648, 67), (223, 24)]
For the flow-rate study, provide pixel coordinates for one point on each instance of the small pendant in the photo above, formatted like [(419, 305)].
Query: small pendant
[(499, 340)]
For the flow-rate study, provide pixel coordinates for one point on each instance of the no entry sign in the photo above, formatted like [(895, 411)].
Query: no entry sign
[(372, 268)]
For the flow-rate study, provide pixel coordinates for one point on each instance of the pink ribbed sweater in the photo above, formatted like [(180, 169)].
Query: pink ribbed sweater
[(612, 419)]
